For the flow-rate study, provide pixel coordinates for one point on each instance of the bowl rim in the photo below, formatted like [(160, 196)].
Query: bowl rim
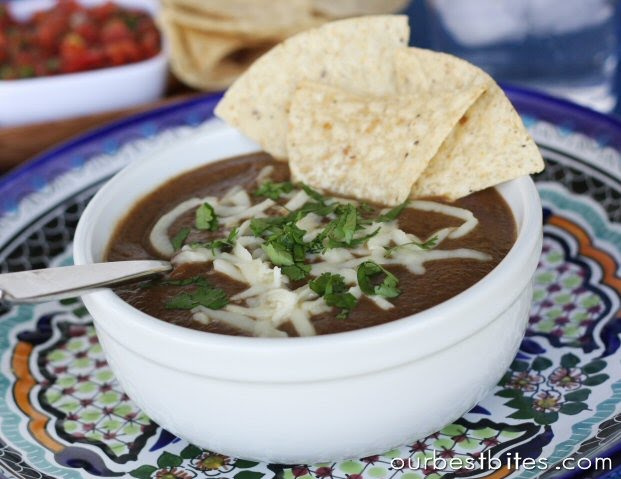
[(528, 237)]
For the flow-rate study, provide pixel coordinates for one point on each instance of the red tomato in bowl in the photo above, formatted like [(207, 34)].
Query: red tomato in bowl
[(71, 38)]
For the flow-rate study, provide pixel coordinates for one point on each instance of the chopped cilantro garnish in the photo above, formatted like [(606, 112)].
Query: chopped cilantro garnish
[(291, 235), (221, 244), (178, 240), (365, 207), (345, 301), (345, 225), (340, 232), (328, 283), (319, 209), (334, 291), (368, 271), (297, 271), (278, 254), (354, 242), (206, 218), (284, 245), (273, 190), (259, 226), (312, 193), (394, 213), (203, 295), (427, 245)]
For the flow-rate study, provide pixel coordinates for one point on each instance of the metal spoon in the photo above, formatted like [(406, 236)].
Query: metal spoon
[(70, 281)]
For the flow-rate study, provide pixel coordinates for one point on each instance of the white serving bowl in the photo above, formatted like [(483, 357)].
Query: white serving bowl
[(305, 400), (56, 97)]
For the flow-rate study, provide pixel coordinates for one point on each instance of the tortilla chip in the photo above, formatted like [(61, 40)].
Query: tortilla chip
[(229, 69), (350, 8), (209, 61), (179, 58), (372, 149), (276, 26), (207, 50), (489, 145), (267, 11), (354, 54), (419, 69)]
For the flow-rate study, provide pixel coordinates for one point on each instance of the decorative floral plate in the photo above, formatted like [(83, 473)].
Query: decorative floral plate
[(62, 413)]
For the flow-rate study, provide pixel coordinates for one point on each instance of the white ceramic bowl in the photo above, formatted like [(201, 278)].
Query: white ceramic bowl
[(57, 97), (304, 400)]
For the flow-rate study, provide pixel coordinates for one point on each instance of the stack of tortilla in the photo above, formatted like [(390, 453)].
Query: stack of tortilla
[(213, 41), (358, 113)]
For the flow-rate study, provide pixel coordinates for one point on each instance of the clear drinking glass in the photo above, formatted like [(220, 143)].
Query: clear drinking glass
[(568, 48)]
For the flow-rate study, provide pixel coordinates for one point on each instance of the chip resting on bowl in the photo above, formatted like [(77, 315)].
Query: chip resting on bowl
[(487, 146), (356, 55), (368, 147)]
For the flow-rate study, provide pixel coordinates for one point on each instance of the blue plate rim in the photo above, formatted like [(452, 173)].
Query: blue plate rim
[(556, 110), (12, 181)]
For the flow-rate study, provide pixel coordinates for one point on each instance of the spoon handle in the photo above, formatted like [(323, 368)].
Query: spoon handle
[(70, 281)]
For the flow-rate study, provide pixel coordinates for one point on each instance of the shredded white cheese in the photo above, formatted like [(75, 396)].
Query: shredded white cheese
[(257, 210), (192, 255), (470, 222), (268, 302), (264, 174), (159, 234), (298, 200)]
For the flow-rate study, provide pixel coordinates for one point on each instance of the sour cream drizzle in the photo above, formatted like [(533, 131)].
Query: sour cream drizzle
[(268, 302)]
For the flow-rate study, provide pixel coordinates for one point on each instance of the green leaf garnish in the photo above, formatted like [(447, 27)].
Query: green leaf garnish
[(394, 213), (334, 291), (340, 232), (278, 254), (297, 271), (260, 226), (319, 209), (354, 242), (273, 190), (328, 283), (284, 244), (221, 244), (203, 295), (365, 207), (345, 225), (178, 240), (368, 271), (206, 218), (345, 301), (427, 245), (284, 240), (312, 193)]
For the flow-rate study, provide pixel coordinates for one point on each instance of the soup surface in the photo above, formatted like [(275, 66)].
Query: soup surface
[(254, 254)]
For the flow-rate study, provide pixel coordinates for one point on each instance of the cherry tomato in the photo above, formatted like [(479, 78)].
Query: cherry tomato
[(115, 30)]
